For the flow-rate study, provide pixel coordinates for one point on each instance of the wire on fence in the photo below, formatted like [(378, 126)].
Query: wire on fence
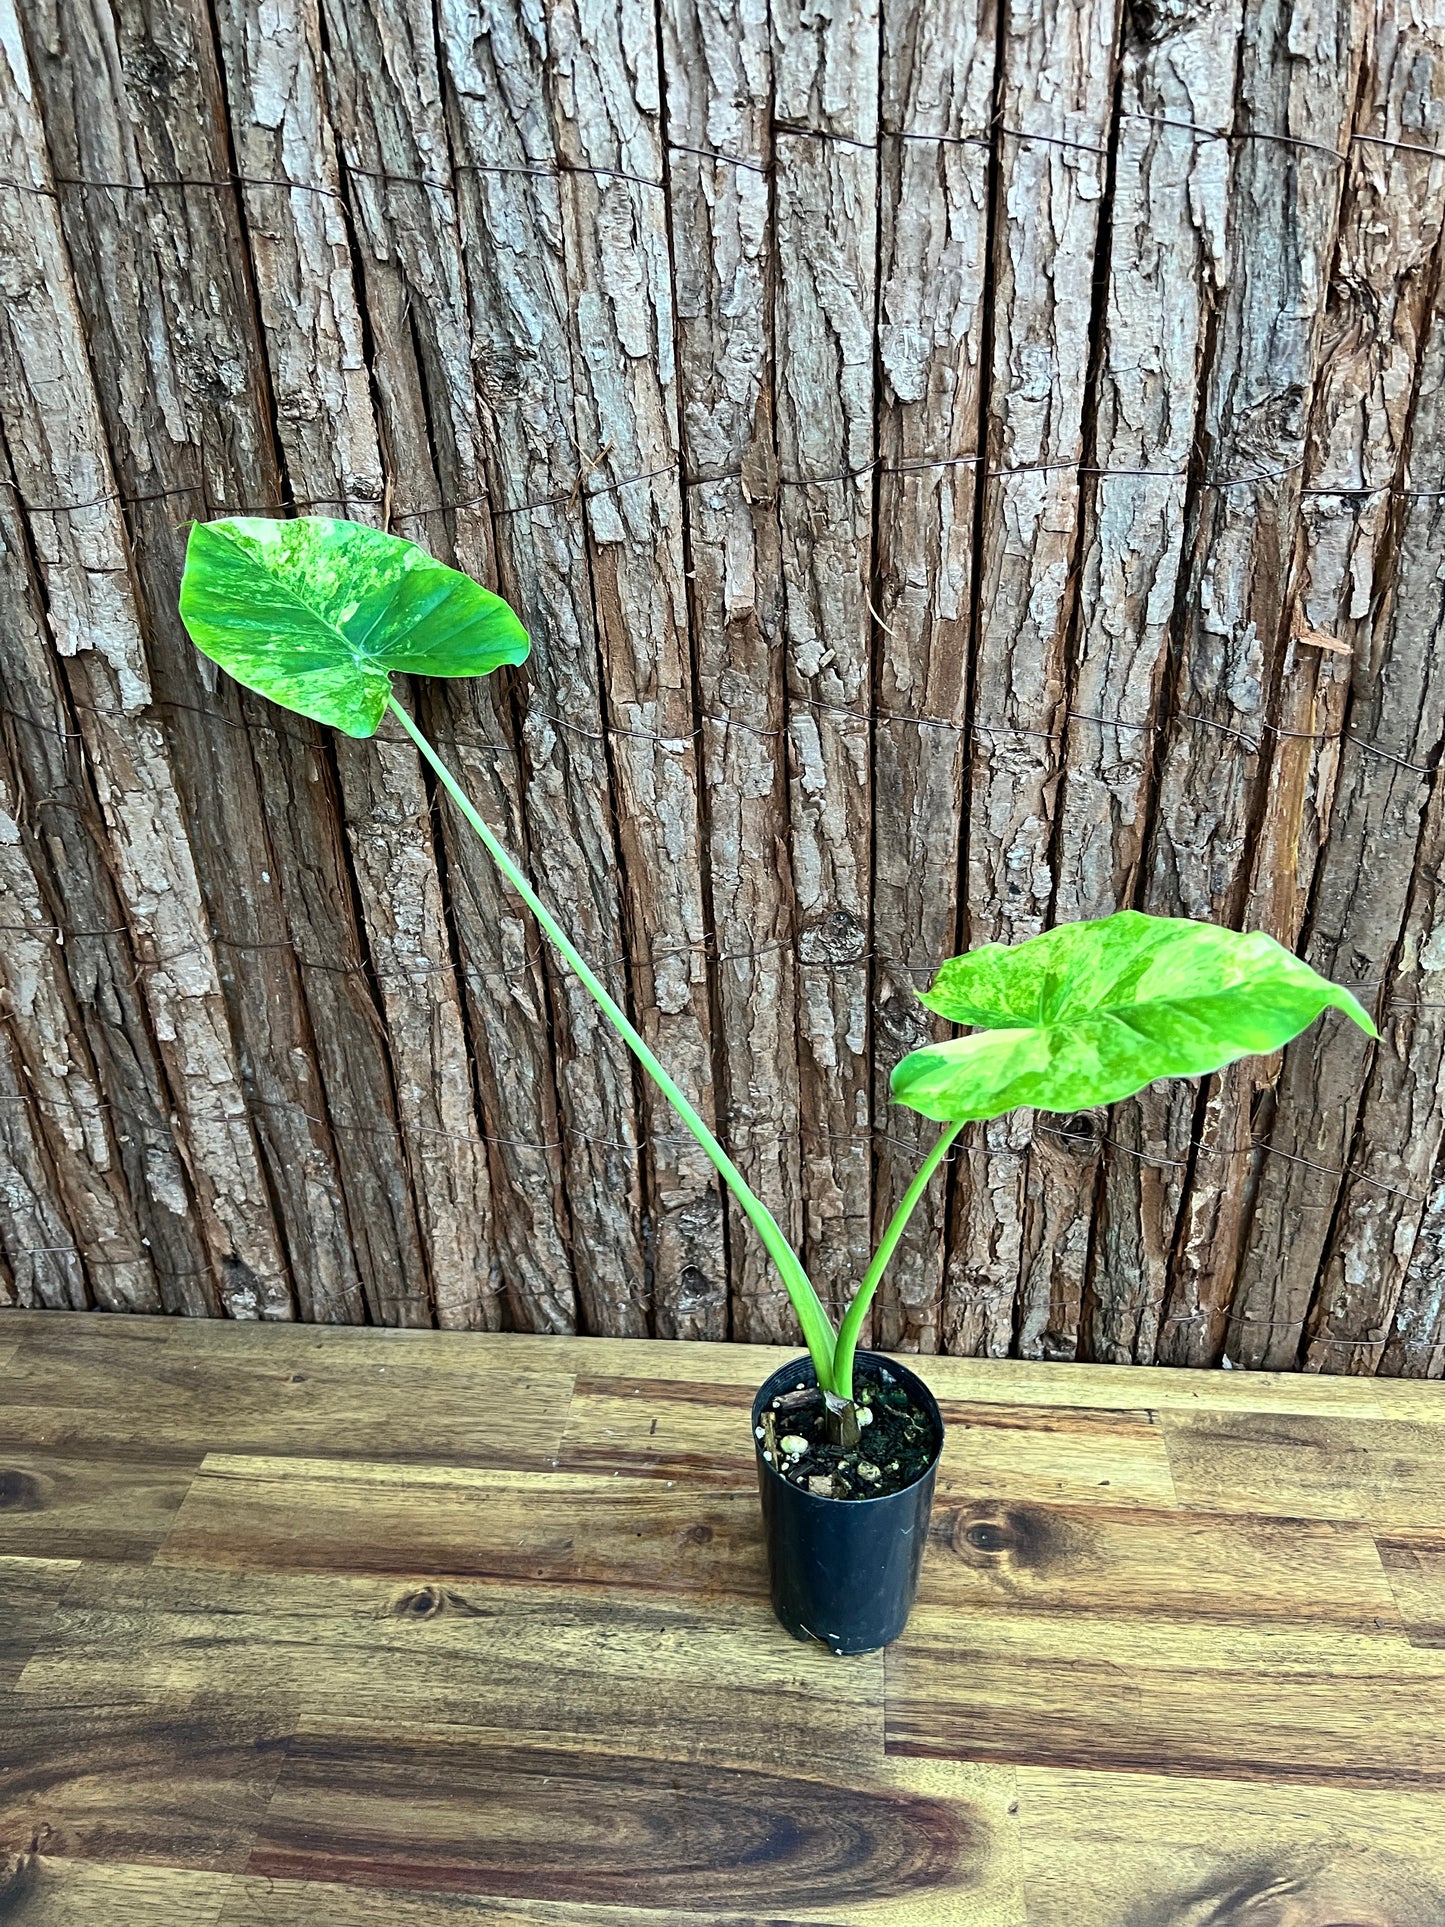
[(641, 1142), (576, 492), (554, 167), (708, 720)]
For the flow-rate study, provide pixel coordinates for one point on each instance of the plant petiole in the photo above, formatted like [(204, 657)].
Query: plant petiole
[(817, 1326)]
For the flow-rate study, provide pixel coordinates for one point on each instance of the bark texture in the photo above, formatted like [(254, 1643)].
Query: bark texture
[(962, 469)]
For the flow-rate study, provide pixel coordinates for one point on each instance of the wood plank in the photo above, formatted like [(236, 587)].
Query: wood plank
[(1390, 1472), (686, 1361), (1420, 1400), (984, 1381), (38, 1890), (1102, 1849), (454, 1809), (1103, 1563), (608, 1667), (1414, 1564), (700, 1433), (89, 1505), (656, 1429), (1140, 1387), (973, 1380), (168, 1785), (1145, 1693), (1070, 1456), (257, 1902), (315, 1396), (35, 1326), (437, 1522), (30, 1590)]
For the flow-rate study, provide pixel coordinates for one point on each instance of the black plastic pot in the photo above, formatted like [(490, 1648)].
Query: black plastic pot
[(844, 1571)]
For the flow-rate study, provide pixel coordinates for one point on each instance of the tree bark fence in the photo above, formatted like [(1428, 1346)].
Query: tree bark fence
[(964, 465)]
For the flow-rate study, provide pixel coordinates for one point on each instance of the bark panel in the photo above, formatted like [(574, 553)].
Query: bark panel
[(1348, 783), (718, 73), (95, 618), (825, 188), (605, 95), (1055, 110), (1298, 82), (938, 72)]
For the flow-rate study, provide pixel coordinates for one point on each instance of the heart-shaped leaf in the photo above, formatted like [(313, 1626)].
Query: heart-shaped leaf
[(318, 614), (1092, 1012)]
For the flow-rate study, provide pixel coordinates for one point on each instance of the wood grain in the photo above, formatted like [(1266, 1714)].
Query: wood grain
[(1103, 1848), (174, 1786), (267, 1902), (90, 1505), (315, 1397), (1177, 1646), (30, 1590), (553, 1665), (322, 1515), (1106, 1562), (1390, 1472), (506, 1813), (1415, 1566), (42, 1890), (1237, 1702), (701, 1433), (1073, 1454)]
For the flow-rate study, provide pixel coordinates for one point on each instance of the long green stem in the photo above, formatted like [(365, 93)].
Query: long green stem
[(817, 1327), (858, 1310)]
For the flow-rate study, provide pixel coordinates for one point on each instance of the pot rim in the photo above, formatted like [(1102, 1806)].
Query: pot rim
[(892, 1364)]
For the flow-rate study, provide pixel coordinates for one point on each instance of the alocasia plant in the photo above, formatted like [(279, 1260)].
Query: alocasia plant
[(319, 615)]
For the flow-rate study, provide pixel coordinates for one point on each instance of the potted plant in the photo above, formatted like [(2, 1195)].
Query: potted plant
[(318, 615)]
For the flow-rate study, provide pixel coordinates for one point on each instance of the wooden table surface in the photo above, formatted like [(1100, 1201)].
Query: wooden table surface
[(308, 1627)]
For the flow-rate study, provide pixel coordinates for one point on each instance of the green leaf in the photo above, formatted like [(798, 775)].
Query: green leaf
[(1092, 1012), (318, 615)]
